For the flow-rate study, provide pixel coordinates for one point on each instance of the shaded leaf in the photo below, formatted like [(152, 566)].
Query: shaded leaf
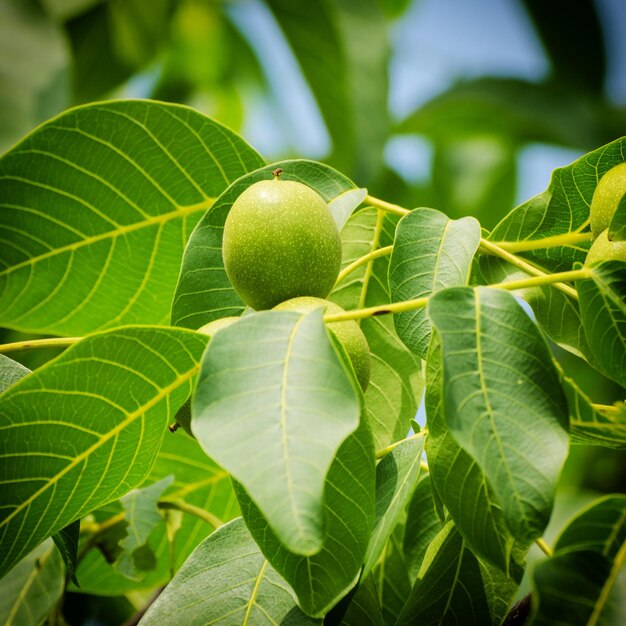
[(603, 309), (204, 292), (449, 588), (497, 365), (227, 580), (583, 582), (617, 226), (304, 405), (66, 541), (364, 608), (97, 205), (396, 383), (430, 252), (396, 479), (142, 515), (321, 580), (87, 428), (32, 588)]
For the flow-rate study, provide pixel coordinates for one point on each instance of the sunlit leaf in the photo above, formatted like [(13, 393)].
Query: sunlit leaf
[(96, 207), (603, 309), (227, 581), (32, 588), (430, 252), (322, 579), (10, 372), (204, 292), (502, 400), (87, 428)]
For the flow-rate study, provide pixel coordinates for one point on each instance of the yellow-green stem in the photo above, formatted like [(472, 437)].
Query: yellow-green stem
[(372, 256), (185, 507), (53, 342), (489, 247), (380, 216), (544, 547), (385, 206), (566, 239), (392, 446)]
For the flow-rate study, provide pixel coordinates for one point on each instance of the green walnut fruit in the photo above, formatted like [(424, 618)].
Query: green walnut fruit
[(348, 333), (603, 249), (606, 198), (280, 242), (183, 416)]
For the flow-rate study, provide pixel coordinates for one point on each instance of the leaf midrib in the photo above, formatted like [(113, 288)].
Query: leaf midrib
[(113, 234)]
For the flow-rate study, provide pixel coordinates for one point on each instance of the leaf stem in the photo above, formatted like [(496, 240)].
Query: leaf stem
[(385, 451), (191, 509), (31, 344), (564, 239), (385, 206), (543, 546), (380, 216), (489, 247), (418, 303), (371, 256)]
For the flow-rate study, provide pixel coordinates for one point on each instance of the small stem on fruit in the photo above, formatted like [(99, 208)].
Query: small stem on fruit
[(380, 216), (364, 259), (489, 247), (385, 206), (385, 451), (544, 547), (566, 239), (32, 344), (185, 507), (277, 172), (418, 303)]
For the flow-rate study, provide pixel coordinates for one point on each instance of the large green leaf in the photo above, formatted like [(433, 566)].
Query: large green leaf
[(204, 292), (562, 208), (502, 400), (396, 479), (96, 207), (603, 309), (421, 527), (430, 252), (197, 481), (277, 377), (227, 581), (474, 508), (86, 428), (583, 583), (321, 580), (343, 54), (449, 588), (396, 384), (32, 588)]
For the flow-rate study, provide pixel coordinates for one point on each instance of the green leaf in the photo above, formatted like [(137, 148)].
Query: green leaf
[(392, 577), (227, 581), (617, 226), (422, 525), (474, 509), (449, 588), (204, 292), (86, 428), (497, 365), (603, 309), (66, 541), (321, 580), (562, 208), (10, 372), (198, 481), (588, 424), (500, 588), (32, 588), (580, 584), (396, 383), (142, 515), (364, 608), (430, 252), (396, 479), (97, 205), (276, 377), (343, 54), (344, 205)]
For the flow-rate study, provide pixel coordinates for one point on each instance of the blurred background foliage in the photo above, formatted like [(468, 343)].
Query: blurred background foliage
[(463, 105)]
